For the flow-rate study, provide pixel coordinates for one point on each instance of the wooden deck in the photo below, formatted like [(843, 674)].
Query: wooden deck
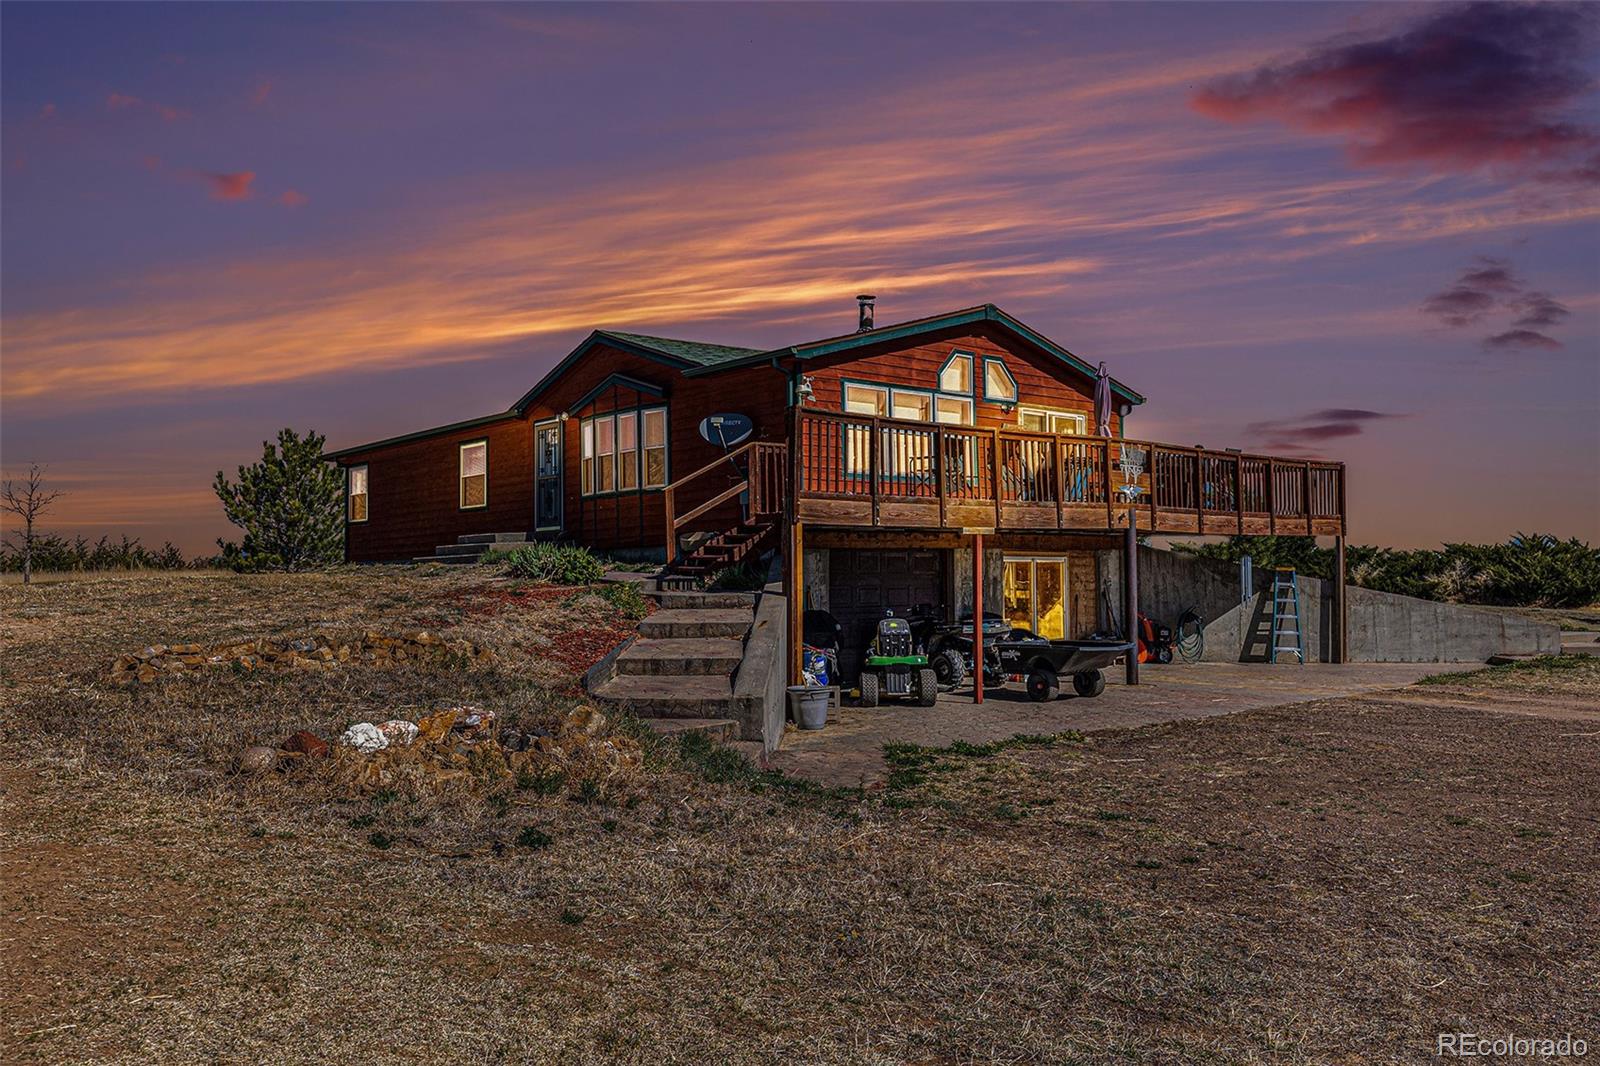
[(853, 471)]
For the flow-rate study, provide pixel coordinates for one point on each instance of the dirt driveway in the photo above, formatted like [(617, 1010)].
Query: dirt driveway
[(850, 750)]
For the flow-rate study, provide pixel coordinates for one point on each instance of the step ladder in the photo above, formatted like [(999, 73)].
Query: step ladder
[(1286, 636)]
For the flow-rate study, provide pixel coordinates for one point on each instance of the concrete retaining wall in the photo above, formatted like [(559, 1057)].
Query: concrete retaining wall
[(1383, 627), (760, 682)]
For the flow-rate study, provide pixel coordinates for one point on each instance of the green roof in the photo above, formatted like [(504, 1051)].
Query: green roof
[(698, 352)]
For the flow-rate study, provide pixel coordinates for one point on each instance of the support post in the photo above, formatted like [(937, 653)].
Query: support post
[(977, 618), (1130, 592), (670, 515), (795, 572), (1341, 614)]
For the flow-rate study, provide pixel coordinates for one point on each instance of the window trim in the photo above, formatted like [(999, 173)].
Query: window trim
[(461, 475), (640, 412), (1030, 409), (972, 370), (1016, 393), (349, 497)]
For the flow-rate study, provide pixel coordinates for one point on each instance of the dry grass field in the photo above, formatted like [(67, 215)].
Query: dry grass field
[(1332, 882)]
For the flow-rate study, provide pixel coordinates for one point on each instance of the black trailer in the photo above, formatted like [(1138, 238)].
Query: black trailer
[(1042, 662)]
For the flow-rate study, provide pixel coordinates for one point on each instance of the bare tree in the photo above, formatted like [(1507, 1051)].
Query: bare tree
[(27, 500)]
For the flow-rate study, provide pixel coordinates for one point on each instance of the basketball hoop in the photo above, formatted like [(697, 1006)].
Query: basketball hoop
[(1132, 462)]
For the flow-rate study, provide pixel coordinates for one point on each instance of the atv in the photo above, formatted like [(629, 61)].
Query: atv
[(948, 645), (894, 667)]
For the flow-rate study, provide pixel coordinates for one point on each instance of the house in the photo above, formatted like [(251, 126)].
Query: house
[(890, 464)]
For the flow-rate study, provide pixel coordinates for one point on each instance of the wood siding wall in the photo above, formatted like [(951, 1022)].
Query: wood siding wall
[(1042, 380), (413, 492), (412, 486)]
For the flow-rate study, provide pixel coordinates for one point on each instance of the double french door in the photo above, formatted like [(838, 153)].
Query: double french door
[(1035, 589)]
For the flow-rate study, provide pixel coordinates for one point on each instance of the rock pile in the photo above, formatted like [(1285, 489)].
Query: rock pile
[(461, 745), (318, 652)]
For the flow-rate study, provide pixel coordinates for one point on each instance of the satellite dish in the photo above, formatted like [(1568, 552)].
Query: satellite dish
[(727, 430)]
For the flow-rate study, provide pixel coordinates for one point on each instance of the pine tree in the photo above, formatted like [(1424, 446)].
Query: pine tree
[(290, 505)]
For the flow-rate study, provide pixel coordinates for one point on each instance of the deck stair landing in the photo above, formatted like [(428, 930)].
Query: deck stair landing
[(678, 674), (470, 549)]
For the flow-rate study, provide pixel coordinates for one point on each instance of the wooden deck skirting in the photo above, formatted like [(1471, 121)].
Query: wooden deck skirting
[(862, 472)]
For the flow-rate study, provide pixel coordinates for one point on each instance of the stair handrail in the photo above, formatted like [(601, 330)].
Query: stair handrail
[(669, 497)]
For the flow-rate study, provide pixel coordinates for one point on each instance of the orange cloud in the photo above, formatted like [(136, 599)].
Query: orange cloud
[(293, 198), (941, 213), (235, 186)]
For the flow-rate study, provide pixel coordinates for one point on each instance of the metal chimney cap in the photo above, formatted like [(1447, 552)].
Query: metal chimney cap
[(866, 296)]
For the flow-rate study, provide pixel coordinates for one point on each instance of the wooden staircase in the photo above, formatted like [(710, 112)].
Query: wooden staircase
[(757, 472), (746, 540)]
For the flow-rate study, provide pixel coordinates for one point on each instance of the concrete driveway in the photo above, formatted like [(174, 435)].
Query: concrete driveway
[(850, 750)]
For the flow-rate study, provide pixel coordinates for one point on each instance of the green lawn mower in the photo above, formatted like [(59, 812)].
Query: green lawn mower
[(894, 667)]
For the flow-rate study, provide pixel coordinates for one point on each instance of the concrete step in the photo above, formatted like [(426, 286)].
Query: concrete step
[(448, 560), (682, 656), (473, 550), (697, 622), (668, 697), (673, 599), (492, 538), (723, 729)]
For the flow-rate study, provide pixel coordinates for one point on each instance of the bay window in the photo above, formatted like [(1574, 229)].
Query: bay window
[(625, 451)]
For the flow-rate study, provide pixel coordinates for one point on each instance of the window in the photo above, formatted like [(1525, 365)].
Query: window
[(357, 484), (605, 454), (655, 448), (953, 410), (586, 461), (957, 374), (916, 406), (475, 475), (627, 451), (866, 400), (998, 384), (611, 447), (1045, 420)]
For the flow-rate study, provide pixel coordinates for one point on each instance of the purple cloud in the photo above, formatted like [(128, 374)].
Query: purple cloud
[(1521, 339), (1294, 435), (1480, 86), (1538, 310)]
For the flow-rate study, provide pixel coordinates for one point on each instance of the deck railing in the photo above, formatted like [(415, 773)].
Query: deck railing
[(854, 470)]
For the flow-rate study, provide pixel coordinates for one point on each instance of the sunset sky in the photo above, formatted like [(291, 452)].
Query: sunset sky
[(1370, 232)]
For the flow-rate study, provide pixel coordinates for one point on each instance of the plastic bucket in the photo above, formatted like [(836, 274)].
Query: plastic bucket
[(810, 706)]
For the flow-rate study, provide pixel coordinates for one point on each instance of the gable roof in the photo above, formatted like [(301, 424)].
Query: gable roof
[(698, 352), (917, 327), (695, 358)]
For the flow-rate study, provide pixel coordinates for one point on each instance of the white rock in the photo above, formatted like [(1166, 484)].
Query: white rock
[(364, 737), (398, 731)]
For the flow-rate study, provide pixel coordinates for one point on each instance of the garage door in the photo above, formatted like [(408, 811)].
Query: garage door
[(863, 584)]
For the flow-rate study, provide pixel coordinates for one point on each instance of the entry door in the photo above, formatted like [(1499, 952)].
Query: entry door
[(547, 476), (1036, 594)]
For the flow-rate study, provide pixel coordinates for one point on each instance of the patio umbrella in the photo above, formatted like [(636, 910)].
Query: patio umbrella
[(1102, 402)]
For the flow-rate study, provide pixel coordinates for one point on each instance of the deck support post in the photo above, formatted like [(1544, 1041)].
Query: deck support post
[(794, 574), (977, 618), (1130, 592), (1341, 599)]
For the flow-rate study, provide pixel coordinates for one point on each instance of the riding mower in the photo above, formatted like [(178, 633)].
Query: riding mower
[(894, 667)]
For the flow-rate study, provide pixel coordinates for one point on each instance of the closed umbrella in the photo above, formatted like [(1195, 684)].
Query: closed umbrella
[(1102, 402)]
